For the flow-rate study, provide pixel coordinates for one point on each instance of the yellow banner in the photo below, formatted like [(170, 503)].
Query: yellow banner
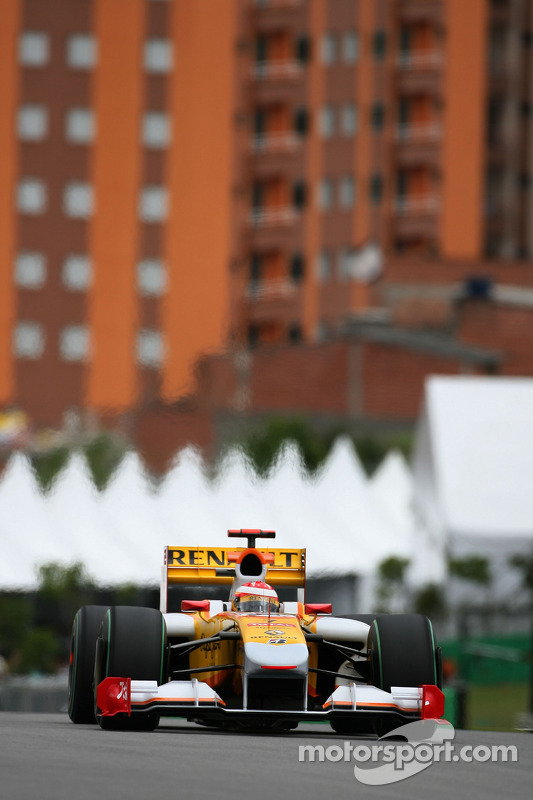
[(199, 565)]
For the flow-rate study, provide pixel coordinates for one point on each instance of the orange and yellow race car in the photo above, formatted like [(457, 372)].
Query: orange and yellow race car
[(249, 661)]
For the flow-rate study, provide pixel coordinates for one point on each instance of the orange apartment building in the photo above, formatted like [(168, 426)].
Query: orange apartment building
[(185, 177)]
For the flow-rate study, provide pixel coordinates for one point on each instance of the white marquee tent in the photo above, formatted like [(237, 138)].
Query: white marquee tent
[(347, 523), (473, 471), (470, 491)]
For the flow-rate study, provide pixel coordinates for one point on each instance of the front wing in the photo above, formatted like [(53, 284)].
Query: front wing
[(197, 700)]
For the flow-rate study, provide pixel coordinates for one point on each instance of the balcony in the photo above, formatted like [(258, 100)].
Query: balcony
[(276, 299), (276, 5), (418, 144), (288, 70), (416, 11), (419, 133), (419, 72), (416, 216), (271, 15), (273, 228), (274, 143), (273, 289), (276, 153), (272, 217)]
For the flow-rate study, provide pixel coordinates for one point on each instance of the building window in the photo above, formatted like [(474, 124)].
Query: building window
[(34, 49), (301, 121), (297, 267), (347, 192), (158, 56), (376, 189), (31, 196), (350, 47), (153, 204), (379, 44), (79, 126), (378, 116), (299, 195), (156, 130), (32, 123), (74, 343), (325, 193), (256, 269), (326, 122), (328, 48), (77, 273), (28, 340), (321, 331), (150, 348), (349, 119), (30, 270), (344, 265), (323, 266), (78, 200), (295, 333), (151, 277), (82, 51), (303, 49)]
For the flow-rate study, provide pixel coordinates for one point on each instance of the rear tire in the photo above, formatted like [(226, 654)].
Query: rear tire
[(81, 670), (132, 644), (403, 653)]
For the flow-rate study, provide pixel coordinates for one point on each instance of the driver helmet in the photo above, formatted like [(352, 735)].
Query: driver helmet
[(256, 597)]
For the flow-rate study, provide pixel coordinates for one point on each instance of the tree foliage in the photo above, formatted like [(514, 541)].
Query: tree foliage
[(104, 454), (263, 443), (524, 564), (475, 569), (40, 652), (430, 600), (47, 465), (390, 585), (15, 622)]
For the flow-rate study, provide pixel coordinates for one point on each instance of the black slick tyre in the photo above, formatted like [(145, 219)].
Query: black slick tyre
[(132, 644), (81, 668), (403, 653)]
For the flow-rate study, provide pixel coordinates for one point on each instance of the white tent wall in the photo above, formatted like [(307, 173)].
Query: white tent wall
[(473, 477), (119, 534)]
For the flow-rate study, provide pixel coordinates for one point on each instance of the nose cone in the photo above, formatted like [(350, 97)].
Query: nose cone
[(259, 657)]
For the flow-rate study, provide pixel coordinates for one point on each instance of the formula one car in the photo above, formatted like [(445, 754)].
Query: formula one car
[(250, 662)]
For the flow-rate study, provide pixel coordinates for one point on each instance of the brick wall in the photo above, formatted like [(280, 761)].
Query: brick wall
[(505, 328), (393, 379), (408, 270)]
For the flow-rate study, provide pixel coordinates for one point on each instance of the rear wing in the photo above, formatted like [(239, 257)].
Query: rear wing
[(216, 565), (212, 565)]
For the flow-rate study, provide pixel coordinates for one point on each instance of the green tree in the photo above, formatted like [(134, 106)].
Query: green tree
[(475, 569), (524, 563), (48, 465), (15, 622), (391, 576), (430, 600), (263, 444), (40, 652), (104, 454), (62, 590)]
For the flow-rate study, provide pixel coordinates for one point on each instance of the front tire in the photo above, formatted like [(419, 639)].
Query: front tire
[(403, 653), (81, 669), (132, 644)]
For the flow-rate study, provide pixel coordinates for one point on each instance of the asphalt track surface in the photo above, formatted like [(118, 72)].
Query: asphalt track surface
[(46, 757)]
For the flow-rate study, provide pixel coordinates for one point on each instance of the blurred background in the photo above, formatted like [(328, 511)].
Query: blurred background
[(270, 263)]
